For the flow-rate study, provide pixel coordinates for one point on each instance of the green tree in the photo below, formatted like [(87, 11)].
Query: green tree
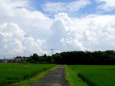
[(35, 57)]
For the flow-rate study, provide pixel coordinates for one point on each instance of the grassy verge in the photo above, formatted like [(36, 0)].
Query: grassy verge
[(96, 75), (34, 79), (72, 77)]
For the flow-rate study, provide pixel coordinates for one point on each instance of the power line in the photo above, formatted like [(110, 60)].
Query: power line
[(19, 51)]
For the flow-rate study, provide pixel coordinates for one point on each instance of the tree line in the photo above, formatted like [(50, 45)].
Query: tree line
[(85, 57), (76, 57)]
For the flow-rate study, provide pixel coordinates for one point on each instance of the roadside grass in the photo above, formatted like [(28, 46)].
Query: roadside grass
[(96, 75), (34, 79), (13, 72), (72, 77)]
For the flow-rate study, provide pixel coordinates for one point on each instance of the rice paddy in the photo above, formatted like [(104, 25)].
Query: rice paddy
[(11, 73), (95, 75), (77, 75)]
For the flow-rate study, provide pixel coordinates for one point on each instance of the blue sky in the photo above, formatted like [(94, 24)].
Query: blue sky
[(37, 26), (91, 8)]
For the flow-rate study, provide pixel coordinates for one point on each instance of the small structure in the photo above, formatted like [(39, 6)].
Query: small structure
[(3, 60), (17, 60)]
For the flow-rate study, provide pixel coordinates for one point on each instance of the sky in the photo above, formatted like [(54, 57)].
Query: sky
[(37, 26)]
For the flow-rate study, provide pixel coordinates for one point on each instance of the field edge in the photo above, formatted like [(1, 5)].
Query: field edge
[(72, 77), (34, 79)]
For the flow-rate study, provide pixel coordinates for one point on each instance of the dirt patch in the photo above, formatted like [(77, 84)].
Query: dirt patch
[(53, 78)]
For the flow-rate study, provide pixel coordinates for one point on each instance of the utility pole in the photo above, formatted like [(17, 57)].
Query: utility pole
[(51, 51), (4, 58), (52, 60)]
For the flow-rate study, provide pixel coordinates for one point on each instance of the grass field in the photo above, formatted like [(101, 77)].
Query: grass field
[(72, 77), (95, 75), (11, 73)]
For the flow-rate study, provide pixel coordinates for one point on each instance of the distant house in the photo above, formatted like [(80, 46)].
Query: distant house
[(17, 60), (20, 59), (10, 60), (3, 60)]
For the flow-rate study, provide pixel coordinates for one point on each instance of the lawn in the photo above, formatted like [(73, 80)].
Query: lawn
[(95, 75), (11, 73)]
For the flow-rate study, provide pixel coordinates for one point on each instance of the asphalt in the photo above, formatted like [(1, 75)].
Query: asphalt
[(53, 78)]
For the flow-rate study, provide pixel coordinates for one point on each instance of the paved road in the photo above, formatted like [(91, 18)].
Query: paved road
[(53, 78)]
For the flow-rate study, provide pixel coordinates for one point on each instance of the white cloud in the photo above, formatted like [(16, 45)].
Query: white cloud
[(18, 25), (11, 37), (93, 32), (96, 32), (33, 45), (63, 34), (24, 30), (28, 20), (14, 42), (106, 5), (58, 7), (33, 22)]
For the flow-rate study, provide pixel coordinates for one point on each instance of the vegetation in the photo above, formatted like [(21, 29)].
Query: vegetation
[(73, 57), (35, 79), (72, 77), (11, 73), (40, 59), (86, 57), (96, 75)]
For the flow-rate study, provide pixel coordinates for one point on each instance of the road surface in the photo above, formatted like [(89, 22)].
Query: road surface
[(53, 78)]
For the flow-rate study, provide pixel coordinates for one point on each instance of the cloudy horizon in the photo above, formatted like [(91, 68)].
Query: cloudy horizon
[(34, 26)]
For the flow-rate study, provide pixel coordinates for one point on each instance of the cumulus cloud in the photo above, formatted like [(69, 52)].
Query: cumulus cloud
[(106, 5), (26, 31), (33, 45), (93, 32), (63, 34), (13, 41), (22, 29), (30, 21), (11, 37), (58, 7)]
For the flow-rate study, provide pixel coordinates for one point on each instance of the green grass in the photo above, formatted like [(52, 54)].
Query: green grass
[(34, 79), (72, 77), (96, 75), (12, 73)]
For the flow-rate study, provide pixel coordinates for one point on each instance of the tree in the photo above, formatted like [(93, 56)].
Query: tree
[(35, 57)]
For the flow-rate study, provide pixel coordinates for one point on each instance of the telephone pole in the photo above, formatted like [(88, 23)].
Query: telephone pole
[(51, 51), (52, 60)]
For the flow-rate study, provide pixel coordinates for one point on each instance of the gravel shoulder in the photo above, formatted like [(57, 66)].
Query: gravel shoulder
[(53, 78)]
